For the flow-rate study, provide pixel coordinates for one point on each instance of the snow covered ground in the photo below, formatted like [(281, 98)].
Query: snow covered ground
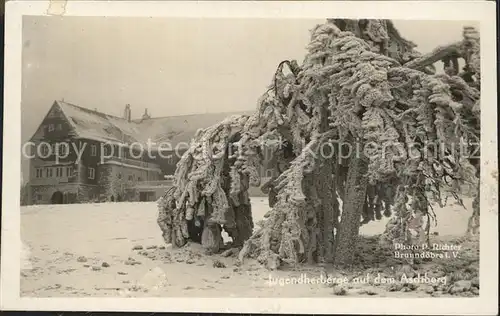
[(86, 250)]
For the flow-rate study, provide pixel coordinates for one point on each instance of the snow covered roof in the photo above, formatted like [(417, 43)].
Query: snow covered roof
[(91, 124)]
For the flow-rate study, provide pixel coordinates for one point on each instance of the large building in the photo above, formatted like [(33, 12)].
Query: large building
[(80, 155)]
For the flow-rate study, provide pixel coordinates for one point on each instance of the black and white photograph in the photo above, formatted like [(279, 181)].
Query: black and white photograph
[(207, 156)]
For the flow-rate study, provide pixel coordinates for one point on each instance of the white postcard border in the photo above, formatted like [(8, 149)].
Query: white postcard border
[(483, 11)]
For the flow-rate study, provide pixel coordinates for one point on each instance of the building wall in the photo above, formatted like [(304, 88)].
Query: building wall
[(169, 165), (48, 172), (151, 194), (111, 182), (72, 192), (120, 181), (97, 182), (88, 193), (91, 158), (80, 168), (89, 179)]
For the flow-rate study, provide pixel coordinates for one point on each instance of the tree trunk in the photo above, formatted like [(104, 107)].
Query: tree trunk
[(326, 203), (327, 212), (244, 223), (355, 194), (211, 238), (473, 224)]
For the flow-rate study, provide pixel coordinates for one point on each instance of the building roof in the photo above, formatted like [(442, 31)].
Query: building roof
[(91, 124)]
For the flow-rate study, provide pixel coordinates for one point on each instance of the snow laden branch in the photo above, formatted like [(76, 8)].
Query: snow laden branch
[(289, 233)]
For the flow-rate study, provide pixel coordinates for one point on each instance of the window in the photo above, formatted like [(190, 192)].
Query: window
[(38, 197), (39, 172), (269, 173), (45, 150), (139, 179), (119, 175), (269, 153), (51, 127), (63, 149), (106, 149), (91, 173), (69, 171), (59, 171), (60, 148), (130, 178), (48, 172), (93, 150), (59, 127)]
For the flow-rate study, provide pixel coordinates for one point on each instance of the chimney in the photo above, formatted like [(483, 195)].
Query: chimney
[(127, 113), (145, 116)]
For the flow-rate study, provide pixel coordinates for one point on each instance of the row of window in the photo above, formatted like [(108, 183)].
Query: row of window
[(49, 172), (55, 149), (63, 149), (59, 172), (93, 150)]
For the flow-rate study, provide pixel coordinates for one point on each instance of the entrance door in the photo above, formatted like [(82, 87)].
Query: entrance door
[(57, 198)]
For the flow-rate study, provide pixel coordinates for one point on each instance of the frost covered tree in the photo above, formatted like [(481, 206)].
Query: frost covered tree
[(366, 128)]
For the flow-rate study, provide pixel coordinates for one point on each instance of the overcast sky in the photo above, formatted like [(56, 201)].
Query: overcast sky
[(171, 66)]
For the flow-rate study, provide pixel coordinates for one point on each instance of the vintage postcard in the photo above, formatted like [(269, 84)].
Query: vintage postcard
[(273, 157)]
